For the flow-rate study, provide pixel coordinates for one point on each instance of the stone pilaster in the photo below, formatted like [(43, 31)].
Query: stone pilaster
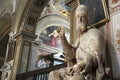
[(22, 51)]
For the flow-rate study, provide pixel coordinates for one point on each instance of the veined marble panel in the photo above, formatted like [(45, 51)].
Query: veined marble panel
[(115, 45)]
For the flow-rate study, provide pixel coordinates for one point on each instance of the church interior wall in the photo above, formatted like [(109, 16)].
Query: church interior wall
[(60, 19)]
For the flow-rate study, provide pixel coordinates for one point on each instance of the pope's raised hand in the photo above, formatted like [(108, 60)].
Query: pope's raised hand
[(61, 32)]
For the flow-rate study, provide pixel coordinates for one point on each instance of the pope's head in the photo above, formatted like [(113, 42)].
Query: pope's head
[(81, 15)]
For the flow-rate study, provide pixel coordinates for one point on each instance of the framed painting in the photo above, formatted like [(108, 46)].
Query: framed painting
[(97, 11), (49, 36)]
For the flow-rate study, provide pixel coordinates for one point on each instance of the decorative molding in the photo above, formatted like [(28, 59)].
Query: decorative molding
[(23, 34), (114, 8), (47, 48), (48, 20), (24, 15), (28, 18)]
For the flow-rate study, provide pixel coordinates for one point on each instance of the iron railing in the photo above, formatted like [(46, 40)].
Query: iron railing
[(40, 74)]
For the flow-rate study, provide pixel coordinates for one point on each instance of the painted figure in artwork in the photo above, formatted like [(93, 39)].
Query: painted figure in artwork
[(86, 60), (55, 37)]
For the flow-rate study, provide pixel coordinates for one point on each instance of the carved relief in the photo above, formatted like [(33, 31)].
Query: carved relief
[(6, 71)]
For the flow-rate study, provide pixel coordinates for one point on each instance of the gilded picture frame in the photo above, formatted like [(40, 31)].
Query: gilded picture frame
[(97, 11)]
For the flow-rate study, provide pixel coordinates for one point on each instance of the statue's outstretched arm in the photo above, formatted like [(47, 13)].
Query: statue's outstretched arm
[(68, 49)]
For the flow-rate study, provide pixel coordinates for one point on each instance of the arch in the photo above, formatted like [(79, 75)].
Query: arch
[(52, 20), (29, 15)]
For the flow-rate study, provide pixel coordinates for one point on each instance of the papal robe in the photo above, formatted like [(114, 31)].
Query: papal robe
[(88, 47)]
